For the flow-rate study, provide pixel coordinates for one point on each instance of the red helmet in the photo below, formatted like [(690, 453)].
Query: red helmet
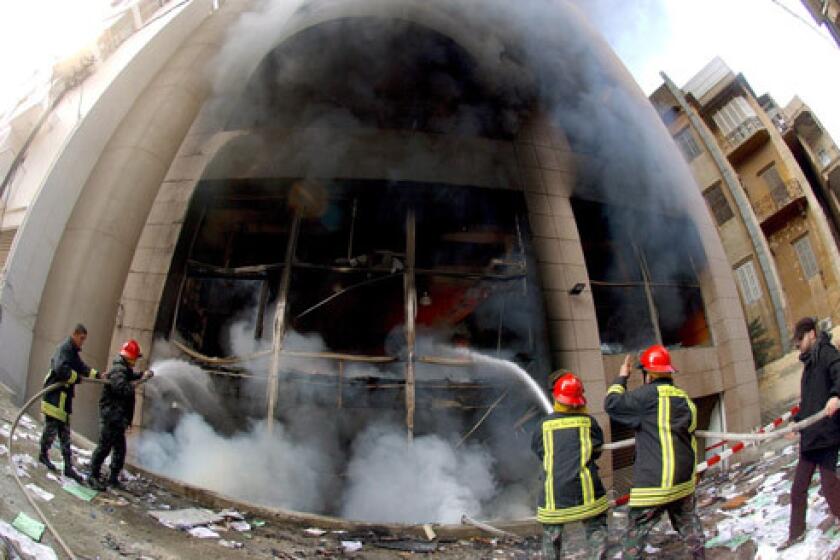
[(657, 359), (568, 389), (130, 350)]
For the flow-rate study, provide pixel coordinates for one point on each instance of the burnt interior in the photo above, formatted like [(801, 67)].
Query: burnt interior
[(644, 269)]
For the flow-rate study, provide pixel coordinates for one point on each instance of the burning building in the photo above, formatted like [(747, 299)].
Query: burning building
[(335, 209)]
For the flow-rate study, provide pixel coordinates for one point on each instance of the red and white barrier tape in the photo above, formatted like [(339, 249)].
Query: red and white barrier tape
[(715, 459)]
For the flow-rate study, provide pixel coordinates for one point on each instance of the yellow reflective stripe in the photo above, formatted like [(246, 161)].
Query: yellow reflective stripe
[(548, 465), (587, 487), (53, 411), (92, 373), (693, 410), (576, 513), (666, 438), (657, 496), (660, 424), (73, 377), (616, 389), (570, 422)]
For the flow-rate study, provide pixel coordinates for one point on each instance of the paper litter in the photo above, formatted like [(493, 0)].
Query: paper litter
[(231, 544), (32, 528), (202, 533), (40, 492), (25, 544), (313, 532), (240, 526), (186, 518), (351, 546)]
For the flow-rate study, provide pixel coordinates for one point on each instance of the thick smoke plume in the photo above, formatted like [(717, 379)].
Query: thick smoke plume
[(533, 56)]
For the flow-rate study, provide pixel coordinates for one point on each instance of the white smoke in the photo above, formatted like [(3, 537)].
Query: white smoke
[(271, 469), (391, 479)]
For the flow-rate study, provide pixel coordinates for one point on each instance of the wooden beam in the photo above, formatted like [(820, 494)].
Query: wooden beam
[(410, 297)]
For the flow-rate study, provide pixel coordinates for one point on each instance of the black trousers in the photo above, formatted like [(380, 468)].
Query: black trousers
[(826, 461), (111, 438), (52, 428)]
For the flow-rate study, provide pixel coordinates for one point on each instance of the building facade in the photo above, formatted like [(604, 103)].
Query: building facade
[(369, 177), (765, 174), (827, 13)]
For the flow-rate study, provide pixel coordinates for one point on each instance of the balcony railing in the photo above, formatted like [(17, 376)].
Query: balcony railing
[(773, 204), (744, 132)]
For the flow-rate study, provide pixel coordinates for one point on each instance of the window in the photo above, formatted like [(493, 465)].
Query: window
[(775, 185), (718, 204), (748, 281), (643, 272), (824, 158), (807, 259), (688, 146), (733, 115)]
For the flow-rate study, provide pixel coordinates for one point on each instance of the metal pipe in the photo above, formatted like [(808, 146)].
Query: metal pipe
[(410, 297), (280, 321)]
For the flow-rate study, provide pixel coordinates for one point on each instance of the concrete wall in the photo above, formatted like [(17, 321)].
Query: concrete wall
[(36, 245)]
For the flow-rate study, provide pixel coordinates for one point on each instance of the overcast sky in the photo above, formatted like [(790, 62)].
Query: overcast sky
[(777, 53)]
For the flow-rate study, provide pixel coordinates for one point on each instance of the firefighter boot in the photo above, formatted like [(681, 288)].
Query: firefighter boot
[(44, 459)]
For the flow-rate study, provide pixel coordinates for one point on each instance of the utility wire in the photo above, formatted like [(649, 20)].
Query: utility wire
[(804, 21)]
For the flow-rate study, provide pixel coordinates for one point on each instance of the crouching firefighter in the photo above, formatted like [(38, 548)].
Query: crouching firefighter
[(116, 411), (664, 418), (568, 442), (68, 368)]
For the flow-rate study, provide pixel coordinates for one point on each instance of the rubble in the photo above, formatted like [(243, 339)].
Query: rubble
[(25, 545)]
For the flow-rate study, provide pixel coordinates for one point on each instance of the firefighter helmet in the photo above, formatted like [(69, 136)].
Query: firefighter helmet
[(130, 350), (657, 359), (568, 389)]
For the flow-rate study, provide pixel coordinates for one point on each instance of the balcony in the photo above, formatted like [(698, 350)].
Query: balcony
[(775, 209), (742, 141)]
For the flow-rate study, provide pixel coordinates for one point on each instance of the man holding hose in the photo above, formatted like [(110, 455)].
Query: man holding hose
[(66, 367), (116, 411), (820, 388)]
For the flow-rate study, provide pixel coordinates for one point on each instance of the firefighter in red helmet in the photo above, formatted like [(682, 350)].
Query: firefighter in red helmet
[(665, 419), (116, 411), (567, 443)]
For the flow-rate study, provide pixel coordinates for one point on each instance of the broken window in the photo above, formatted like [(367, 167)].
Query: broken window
[(353, 271), (645, 288)]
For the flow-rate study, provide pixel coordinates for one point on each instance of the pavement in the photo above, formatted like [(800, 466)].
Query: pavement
[(744, 511)]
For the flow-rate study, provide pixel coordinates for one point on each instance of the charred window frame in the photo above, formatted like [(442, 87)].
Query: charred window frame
[(470, 267), (645, 290)]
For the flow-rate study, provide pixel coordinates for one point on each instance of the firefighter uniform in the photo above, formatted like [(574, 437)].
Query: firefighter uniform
[(665, 419), (65, 367), (116, 411), (568, 443)]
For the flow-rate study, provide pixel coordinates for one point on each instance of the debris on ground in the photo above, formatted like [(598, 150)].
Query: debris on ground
[(82, 492), (32, 528), (186, 518), (25, 545), (39, 492)]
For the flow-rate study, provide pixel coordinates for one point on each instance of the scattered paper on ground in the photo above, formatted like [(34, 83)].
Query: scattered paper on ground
[(186, 518), (26, 546), (40, 492), (32, 528), (81, 492)]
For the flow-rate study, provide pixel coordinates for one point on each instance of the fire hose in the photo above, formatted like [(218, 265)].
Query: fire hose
[(763, 434), (14, 470)]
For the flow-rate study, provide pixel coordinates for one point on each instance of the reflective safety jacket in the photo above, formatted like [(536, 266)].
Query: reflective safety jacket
[(568, 445), (664, 418), (65, 367)]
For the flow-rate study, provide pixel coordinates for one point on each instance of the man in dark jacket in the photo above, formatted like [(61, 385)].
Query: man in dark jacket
[(820, 388), (567, 443), (116, 411), (665, 419), (68, 368)]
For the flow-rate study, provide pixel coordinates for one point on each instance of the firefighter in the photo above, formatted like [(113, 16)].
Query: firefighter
[(819, 444), (664, 418), (568, 442), (65, 367), (116, 411)]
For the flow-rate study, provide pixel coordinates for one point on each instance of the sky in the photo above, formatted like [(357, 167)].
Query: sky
[(777, 53)]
